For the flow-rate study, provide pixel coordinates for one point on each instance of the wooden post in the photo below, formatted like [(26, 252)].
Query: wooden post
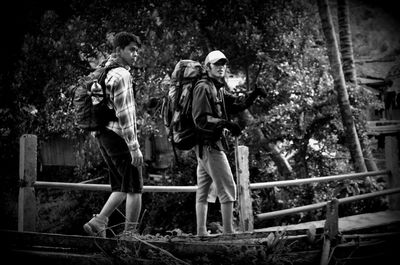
[(331, 229), (246, 219), (392, 158), (27, 177)]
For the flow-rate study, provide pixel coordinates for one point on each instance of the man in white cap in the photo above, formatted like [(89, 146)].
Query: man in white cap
[(209, 109)]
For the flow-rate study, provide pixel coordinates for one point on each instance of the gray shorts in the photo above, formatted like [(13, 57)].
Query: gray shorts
[(214, 168)]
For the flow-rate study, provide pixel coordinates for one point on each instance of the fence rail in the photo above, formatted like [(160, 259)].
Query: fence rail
[(383, 127), (253, 186), (28, 162), (315, 206), (107, 187), (296, 182)]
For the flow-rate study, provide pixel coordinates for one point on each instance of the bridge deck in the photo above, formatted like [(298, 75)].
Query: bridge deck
[(83, 250), (346, 224)]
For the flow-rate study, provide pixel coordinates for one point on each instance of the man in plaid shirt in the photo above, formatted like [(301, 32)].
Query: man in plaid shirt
[(118, 141)]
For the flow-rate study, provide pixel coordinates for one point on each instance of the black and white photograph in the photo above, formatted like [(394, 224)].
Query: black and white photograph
[(200, 132)]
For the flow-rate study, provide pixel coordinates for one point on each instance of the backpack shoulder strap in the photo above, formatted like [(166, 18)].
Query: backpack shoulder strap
[(103, 77), (203, 79), (208, 82), (211, 96), (107, 69)]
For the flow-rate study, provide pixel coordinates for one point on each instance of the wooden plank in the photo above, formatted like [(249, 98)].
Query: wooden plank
[(386, 129), (131, 251), (186, 246), (383, 122), (346, 224), (27, 177), (83, 249), (331, 228), (244, 200), (392, 158), (332, 219), (383, 127)]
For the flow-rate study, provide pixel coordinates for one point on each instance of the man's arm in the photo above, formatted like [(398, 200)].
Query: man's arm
[(235, 104)]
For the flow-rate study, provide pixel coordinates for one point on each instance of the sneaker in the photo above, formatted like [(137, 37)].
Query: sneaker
[(96, 226)]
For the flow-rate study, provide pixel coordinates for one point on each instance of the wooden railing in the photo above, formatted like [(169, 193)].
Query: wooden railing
[(383, 127), (28, 182)]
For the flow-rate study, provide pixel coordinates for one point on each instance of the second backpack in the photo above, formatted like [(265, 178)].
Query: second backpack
[(177, 105)]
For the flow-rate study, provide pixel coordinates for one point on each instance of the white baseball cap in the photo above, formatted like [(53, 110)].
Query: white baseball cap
[(214, 57)]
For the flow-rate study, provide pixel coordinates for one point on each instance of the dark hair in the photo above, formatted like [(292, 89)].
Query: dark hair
[(123, 39)]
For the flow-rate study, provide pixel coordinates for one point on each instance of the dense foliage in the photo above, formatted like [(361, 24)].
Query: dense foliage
[(276, 44)]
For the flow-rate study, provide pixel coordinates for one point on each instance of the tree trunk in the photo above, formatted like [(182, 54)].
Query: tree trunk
[(346, 46), (349, 70), (280, 161), (340, 87)]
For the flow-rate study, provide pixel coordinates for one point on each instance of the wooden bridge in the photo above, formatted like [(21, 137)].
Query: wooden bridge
[(345, 238)]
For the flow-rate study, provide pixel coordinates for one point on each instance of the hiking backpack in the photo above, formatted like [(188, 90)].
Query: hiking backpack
[(88, 116), (177, 105)]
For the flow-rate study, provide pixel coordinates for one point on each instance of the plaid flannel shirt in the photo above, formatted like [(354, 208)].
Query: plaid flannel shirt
[(119, 84)]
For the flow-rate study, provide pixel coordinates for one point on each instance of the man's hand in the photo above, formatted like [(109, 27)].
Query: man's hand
[(233, 127), (137, 157)]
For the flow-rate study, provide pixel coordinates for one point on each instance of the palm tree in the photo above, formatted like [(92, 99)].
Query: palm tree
[(352, 140), (349, 70)]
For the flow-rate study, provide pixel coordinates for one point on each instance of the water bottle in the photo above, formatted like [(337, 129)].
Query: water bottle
[(96, 92)]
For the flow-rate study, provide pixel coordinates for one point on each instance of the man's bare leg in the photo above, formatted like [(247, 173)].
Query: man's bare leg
[(227, 217), (201, 217), (132, 211)]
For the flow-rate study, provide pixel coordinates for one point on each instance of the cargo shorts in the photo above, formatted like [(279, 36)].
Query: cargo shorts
[(214, 168)]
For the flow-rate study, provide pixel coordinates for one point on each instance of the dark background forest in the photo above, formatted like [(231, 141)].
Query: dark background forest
[(279, 45)]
